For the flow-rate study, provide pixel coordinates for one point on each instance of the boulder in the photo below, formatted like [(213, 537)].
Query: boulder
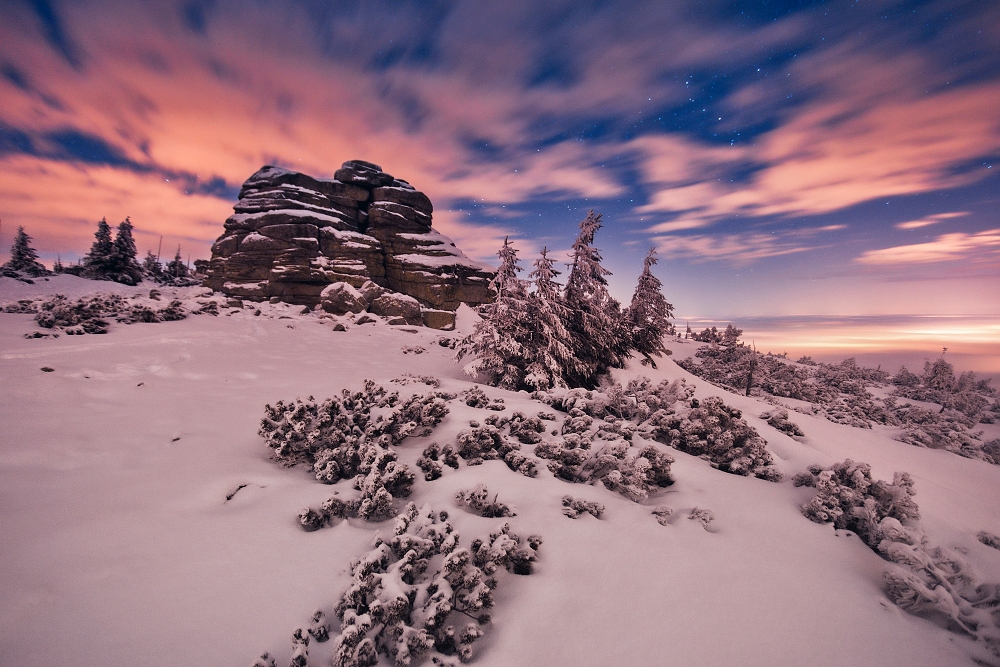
[(342, 298), (365, 174), (439, 319), (392, 304)]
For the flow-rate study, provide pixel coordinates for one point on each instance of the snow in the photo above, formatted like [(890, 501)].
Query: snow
[(444, 261), (120, 548)]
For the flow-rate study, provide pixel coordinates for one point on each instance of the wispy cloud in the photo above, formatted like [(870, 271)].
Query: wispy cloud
[(944, 248), (929, 220)]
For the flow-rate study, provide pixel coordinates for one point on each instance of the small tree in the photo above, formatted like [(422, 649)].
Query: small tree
[(151, 266), (23, 257), (600, 339), (649, 313), (549, 353), (124, 268), (98, 263), (497, 339), (176, 268)]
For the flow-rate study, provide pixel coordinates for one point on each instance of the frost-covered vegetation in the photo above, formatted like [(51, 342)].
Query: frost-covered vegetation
[(925, 580), (478, 500), (94, 315), (549, 337), (417, 593), (840, 393)]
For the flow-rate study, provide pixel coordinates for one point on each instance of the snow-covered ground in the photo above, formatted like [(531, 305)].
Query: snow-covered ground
[(119, 546)]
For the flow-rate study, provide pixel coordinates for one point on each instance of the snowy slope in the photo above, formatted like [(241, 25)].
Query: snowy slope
[(119, 546)]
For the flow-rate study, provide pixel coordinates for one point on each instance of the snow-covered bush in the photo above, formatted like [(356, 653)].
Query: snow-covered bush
[(486, 443), (848, 497), (478, 500), (715, 432), (93, 314), (433, 457), (574, 507), (989, 539), (526, 429), (319, 627), (341, 437), (926, 581), (663, 514), (635, 401), (779, 420), (395, 608), (702, 516), (966, 394), (300, 648), (946, 429), (475, 397)]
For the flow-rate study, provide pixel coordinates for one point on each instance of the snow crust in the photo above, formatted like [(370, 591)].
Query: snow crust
[(120, 548)]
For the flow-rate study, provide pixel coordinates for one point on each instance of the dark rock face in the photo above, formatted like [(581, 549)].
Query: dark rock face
[(292, 235)]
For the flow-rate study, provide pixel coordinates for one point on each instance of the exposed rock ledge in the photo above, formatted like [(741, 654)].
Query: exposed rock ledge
[(292, 235)]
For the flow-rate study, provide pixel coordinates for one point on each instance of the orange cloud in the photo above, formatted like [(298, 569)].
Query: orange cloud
[(928, 221)]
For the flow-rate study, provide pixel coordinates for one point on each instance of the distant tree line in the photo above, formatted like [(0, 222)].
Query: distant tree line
[(110, 258), (555, 336)]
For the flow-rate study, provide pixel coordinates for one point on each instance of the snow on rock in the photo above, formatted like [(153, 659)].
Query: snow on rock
[(291, 235)]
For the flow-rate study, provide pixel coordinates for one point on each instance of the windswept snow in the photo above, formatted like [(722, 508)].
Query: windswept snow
[(120, 546)]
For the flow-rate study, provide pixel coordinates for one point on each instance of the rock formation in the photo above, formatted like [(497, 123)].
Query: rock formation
[(292, 236)]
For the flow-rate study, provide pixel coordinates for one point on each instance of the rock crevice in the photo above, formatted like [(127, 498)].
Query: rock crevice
[(291, 235)]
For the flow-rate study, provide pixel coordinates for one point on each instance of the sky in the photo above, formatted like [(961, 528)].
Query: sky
[(785, 158)]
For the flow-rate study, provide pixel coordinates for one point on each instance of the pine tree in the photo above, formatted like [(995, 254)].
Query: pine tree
[(497, 339), (600, 339), (176, 268), (124, 266), (23, 257), (548, 354), (98, 262), (151, 267), (649, 313)]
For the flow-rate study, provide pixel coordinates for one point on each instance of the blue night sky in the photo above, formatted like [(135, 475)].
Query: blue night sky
[(786, 158)]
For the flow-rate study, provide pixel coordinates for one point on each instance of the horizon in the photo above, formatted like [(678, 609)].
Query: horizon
[(796, 160)]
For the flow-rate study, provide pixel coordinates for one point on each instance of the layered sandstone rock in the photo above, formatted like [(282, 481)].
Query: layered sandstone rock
[(292, 235)]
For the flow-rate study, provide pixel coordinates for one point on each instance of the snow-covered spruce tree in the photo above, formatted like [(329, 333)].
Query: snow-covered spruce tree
[(23, 257), (548, 348), (151, 267), (498, 340), (649, 313), (99, 263), (124, 268), (599, 335), (176, 268)]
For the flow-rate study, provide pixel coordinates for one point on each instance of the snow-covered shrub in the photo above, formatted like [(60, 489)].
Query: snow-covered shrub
[(319, 627), (265, 660), (21, 307), (946, 429), (663, 514), (477, 398), (478, 500), (341, 437), (409, 378), (503, 549), (989, 539), (486, 443), (715, 432), (702, 516), (633, 476), (300, 648), (93, 314), (966, 394), (937, 583), (779, 420), (574, 507), (635, 401), (848, 497), (433, 456), (395, 608), (526, 429)]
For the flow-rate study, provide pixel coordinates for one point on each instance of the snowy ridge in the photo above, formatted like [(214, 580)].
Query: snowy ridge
[(120, 541)]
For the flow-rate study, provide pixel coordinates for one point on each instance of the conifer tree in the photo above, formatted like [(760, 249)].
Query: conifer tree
[(23, 257), (176, 268), (600, 339), (151, 266), (124, 268), (497, 339), (98, 262), (649, 313), (548, 353)]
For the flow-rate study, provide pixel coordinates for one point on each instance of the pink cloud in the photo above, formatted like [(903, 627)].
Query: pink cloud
[(946, 247)]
